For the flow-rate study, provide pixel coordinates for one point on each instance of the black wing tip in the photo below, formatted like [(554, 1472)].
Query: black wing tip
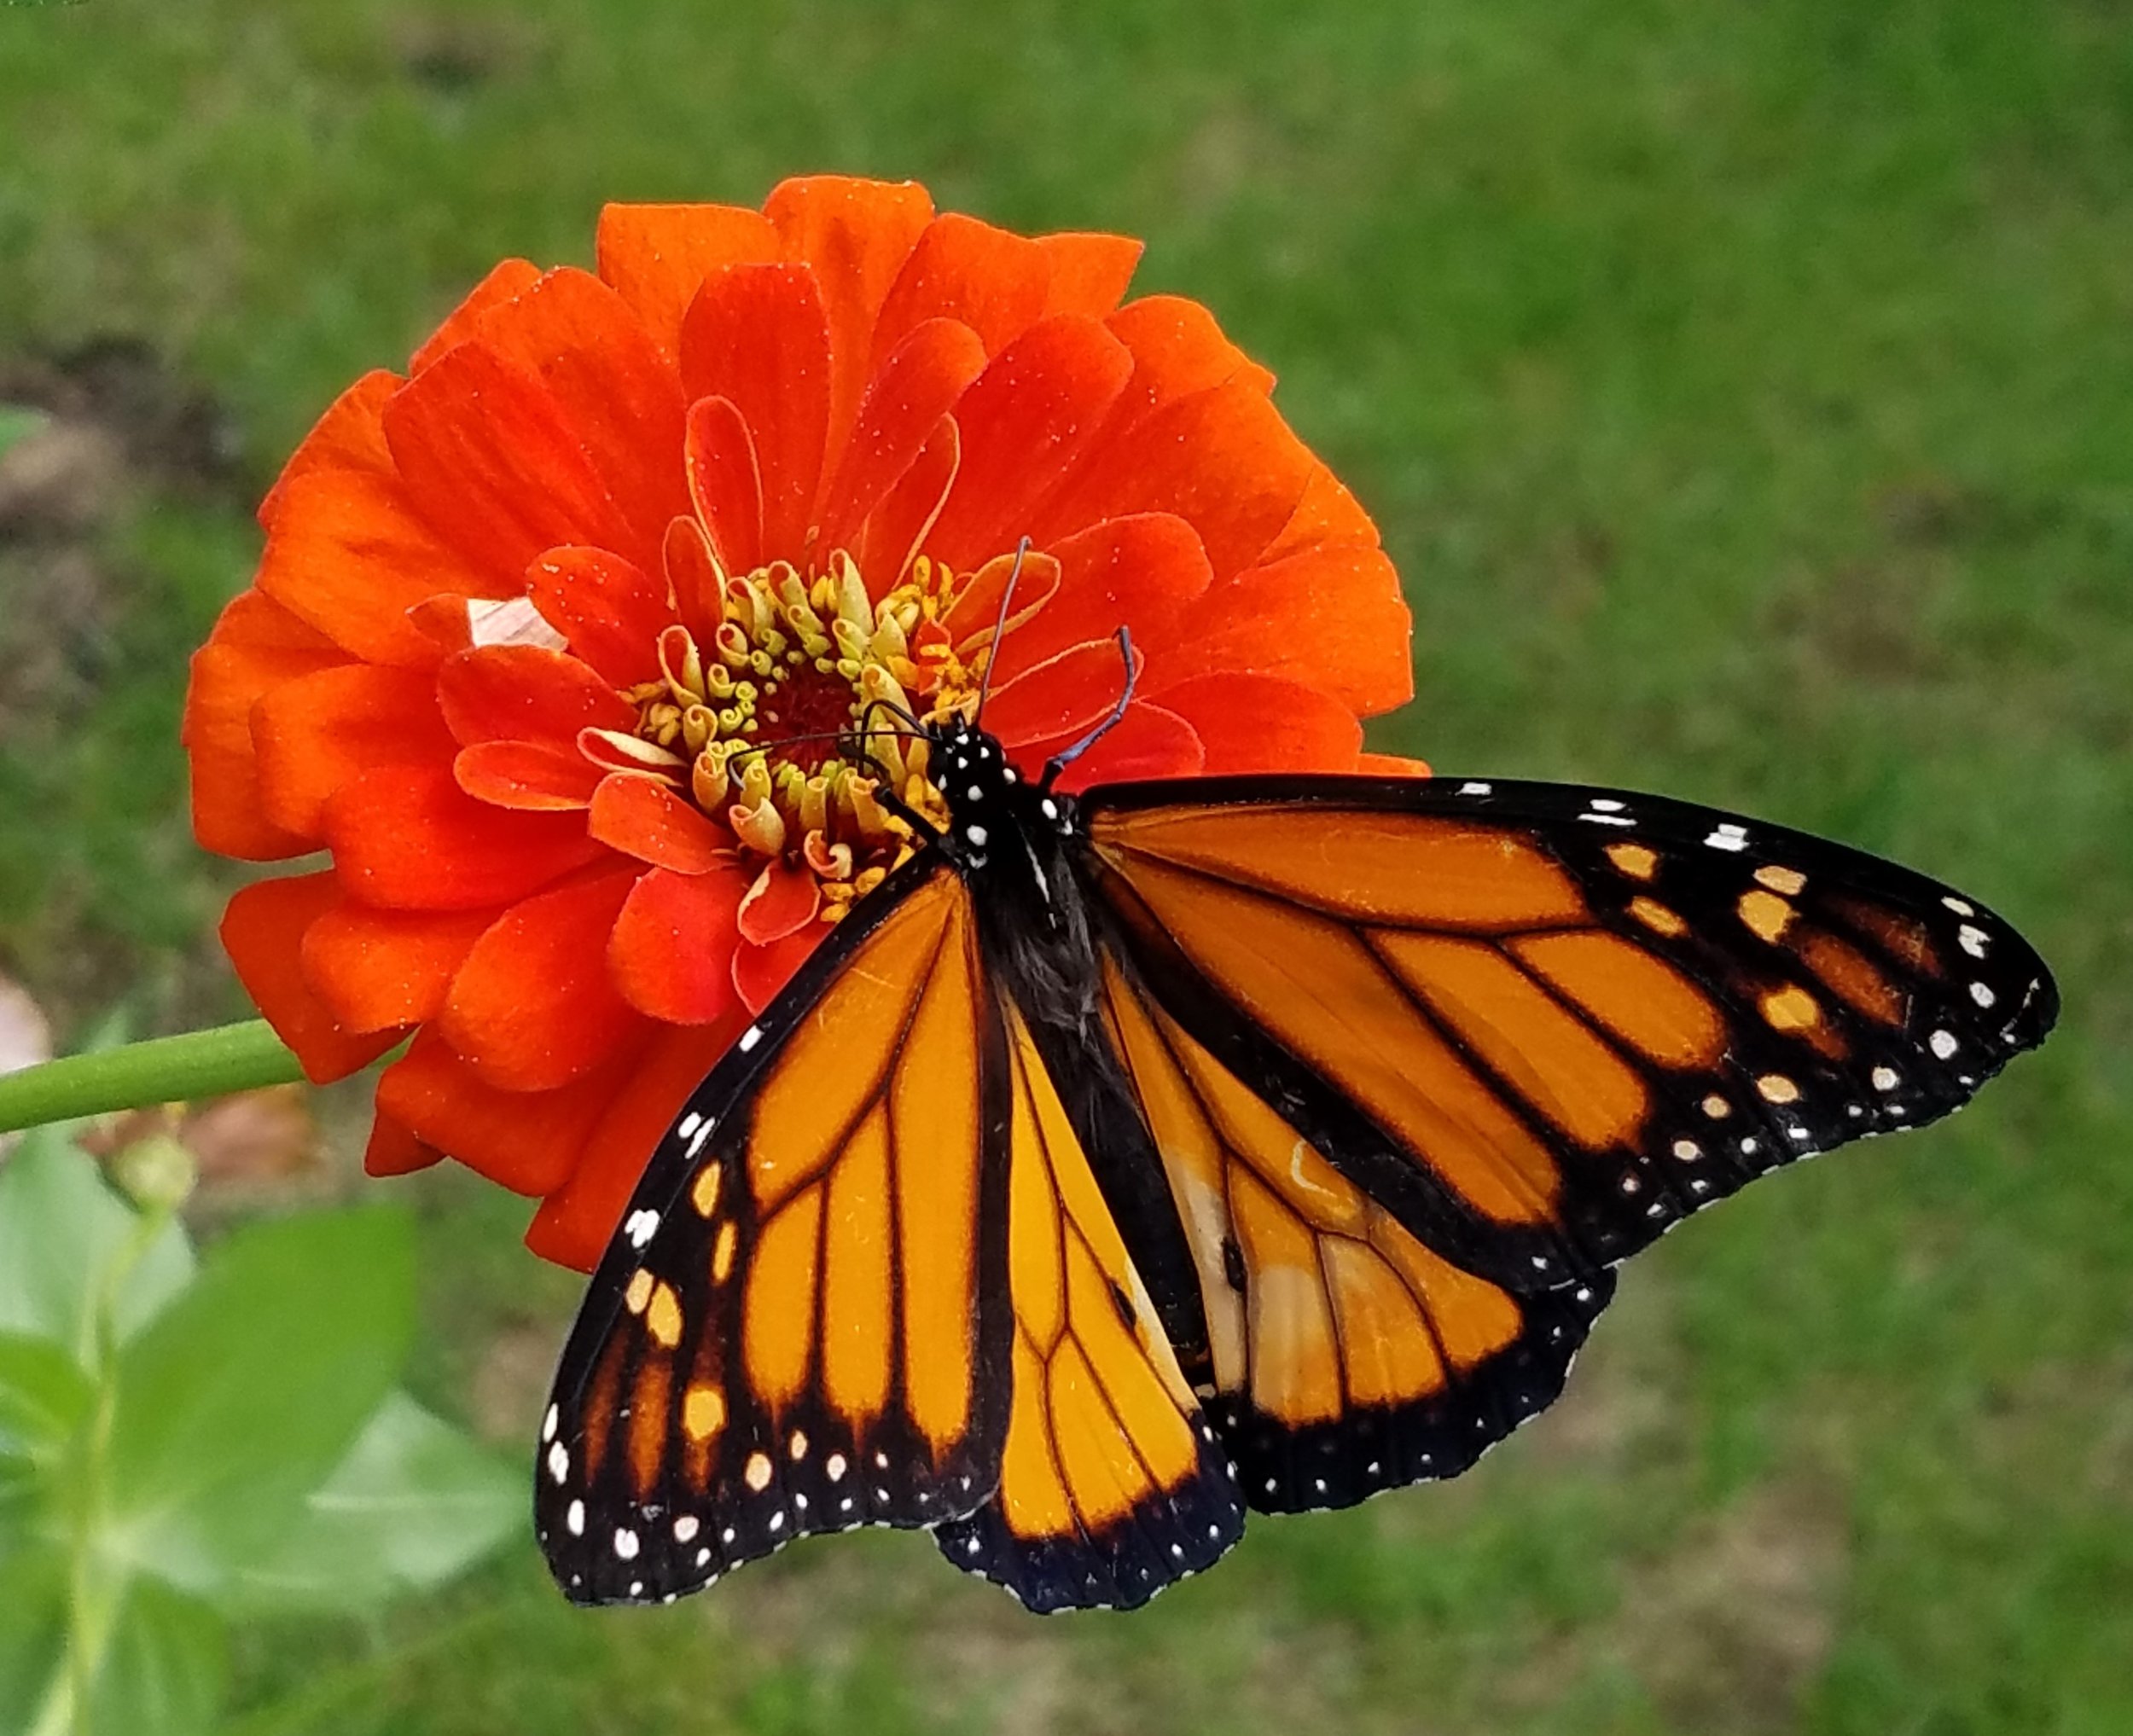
[(1322, 1466)]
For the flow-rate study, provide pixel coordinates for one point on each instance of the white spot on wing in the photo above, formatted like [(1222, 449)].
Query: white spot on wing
[(751, 1037)]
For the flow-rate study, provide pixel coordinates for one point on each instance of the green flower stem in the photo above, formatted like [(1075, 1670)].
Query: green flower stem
[(164, 1069)]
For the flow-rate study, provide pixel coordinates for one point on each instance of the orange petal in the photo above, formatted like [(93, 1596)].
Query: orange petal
[(348, 554), (529, 1141), (1025, 423), (725, 482), (393, 1150), (993, 281), (693, 579), (575, 1224), (616, 390), (1263, 723), (657, 257), (1332, 617), (505, 282), (535, 776), (898, 523), (1326, 517), (1089, 272), (315, 733), (673, 944), (262, 932), (759, 972), (782, 900), (383, 970), (1148, 742), (1178, 350), (1393, 765), (348, 436), (610, 610), (1223, 460), (534, 1005), (757, 336), (493, 463), (915, 387), (1144, 572), (412, 840), (525, 692), (255, 647), (854, 236), (642, 817)]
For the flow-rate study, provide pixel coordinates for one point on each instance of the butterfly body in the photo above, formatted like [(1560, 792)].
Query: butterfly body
[(1123, 1161)]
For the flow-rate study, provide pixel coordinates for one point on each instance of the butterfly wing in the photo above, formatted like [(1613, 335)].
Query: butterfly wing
[(1112, 1484), (1344, 1356), (791, 1333), (1537, 1023)]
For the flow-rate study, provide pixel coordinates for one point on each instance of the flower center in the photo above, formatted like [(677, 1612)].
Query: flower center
[(748, 724)]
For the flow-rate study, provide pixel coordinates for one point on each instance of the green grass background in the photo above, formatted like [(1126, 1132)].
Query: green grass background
[(1746, 394)]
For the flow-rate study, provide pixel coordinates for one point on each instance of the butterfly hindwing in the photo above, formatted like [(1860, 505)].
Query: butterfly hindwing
[(1112, 1484), (791, 1333), (1541, 1024), (1345, 1356)]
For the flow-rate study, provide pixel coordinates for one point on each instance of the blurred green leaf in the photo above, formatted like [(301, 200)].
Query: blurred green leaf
[(17, 423), (43, 1394), (248, 1392), (413, 1503), (165, 1668), (33, 1630), (60, 1231)]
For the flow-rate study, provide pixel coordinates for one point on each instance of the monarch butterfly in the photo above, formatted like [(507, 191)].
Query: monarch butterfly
[(1126, 1161)]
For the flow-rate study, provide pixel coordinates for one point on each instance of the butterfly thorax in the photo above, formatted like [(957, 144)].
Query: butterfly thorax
[(1011, 839)]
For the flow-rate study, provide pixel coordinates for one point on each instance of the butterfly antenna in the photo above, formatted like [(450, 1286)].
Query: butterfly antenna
[(1058, 761), (999, 628)]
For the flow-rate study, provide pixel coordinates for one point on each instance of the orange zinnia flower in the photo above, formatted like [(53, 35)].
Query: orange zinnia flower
[(519, 609)]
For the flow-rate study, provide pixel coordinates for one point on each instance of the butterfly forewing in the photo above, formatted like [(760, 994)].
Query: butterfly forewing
[(1539, 1023), (798, 1328)]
